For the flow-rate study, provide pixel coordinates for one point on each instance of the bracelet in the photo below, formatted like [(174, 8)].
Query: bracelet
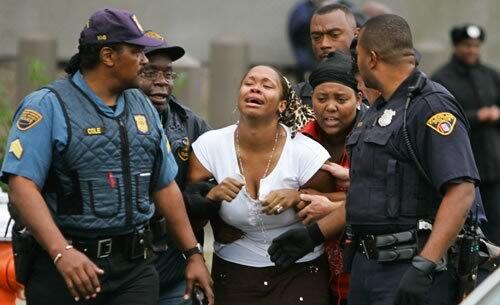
[(59, 255)]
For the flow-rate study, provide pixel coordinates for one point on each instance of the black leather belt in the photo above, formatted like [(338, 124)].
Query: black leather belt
[(132, 245), (388, 247)]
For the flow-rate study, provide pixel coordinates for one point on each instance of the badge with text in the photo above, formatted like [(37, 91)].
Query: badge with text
[(386, 118), (442, 122), (16, 148), (94, 131), (28, 119), (141, 123), (183, 151)]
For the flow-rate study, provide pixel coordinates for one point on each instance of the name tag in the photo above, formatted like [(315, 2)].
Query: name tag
[(94, 131)]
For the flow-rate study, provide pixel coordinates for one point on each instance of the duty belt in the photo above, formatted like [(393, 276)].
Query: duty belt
[(389, 247), (133, 245)]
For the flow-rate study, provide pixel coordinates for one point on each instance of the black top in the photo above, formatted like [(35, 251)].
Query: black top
[(475, 87)]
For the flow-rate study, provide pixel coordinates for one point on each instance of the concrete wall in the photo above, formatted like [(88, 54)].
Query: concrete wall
[(194, 23)]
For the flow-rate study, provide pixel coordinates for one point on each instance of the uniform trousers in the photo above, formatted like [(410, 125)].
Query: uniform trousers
[(374, 283), (124, 282)]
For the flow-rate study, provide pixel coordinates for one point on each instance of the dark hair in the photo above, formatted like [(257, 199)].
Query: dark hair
[(88, 57), (323, 10), (389, 36)]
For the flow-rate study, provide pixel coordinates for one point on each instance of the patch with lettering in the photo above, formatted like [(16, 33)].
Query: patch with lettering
[(442, 122), (94, 131), (16, 148), (183, 151), (28, 119), (141, 123)]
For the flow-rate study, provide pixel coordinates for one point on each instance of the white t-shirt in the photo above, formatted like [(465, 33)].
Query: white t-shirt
[(300, 159)]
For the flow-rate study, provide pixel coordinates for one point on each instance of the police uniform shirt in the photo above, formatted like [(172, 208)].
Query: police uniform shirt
[(30, 144), (438, 131)]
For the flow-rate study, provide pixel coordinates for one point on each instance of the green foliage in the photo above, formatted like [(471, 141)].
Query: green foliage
[(37, 74), (6, 113), (180, 82)]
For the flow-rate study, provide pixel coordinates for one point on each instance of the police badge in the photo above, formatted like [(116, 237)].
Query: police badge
[(386, 118)]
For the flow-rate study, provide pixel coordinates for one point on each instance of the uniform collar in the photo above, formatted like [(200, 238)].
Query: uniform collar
[(174, 107), (78, 79)]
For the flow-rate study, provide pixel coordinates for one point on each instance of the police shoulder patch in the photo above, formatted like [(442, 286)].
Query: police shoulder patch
[(442, 122), (28, 119)]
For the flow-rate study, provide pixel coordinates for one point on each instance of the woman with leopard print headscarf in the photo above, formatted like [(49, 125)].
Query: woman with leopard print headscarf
[(260, 164)]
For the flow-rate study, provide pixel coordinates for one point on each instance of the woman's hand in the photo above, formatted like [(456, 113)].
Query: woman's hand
[(227, 190), (339, 172), (280, 200), (319, 206)]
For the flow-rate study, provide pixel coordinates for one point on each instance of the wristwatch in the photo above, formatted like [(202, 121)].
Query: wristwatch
[(194, 250)]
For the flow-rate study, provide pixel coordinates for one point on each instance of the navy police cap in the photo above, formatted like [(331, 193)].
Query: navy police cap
[(113, 25)]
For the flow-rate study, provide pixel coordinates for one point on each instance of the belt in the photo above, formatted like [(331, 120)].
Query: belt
[(388, 247), (133, 245)]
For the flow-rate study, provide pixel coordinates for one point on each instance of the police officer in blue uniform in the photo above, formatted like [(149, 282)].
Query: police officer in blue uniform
[(412, 172), (86, 159), (413, 180), (182, 127)]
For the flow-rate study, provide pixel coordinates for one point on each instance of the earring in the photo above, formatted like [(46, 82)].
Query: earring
[(235, 110)]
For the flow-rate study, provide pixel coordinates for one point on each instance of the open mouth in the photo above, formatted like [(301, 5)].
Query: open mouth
[(254, 101), (158, 97), (331, 122)]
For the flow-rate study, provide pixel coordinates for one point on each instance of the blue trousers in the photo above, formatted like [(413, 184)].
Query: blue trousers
[(374, 283)]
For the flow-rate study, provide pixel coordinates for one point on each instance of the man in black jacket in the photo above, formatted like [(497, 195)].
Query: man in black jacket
[(182, 128), (477, 88)]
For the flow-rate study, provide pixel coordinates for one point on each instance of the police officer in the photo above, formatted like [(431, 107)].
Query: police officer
[(333, 27), (182, 127), (399, 260), (392, 205), (86, 158), (476, 87)]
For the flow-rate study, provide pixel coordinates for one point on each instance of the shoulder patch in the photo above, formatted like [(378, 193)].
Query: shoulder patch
[(16, 148), (28, 119), (442, 122)]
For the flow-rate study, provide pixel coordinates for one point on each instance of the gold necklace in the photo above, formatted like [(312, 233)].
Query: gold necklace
[(238, 153)]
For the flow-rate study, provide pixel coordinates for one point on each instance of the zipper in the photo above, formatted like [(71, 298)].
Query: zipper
[(125, 150)]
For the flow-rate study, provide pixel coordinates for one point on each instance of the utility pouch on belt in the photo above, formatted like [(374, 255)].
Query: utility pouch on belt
[(25, 249)]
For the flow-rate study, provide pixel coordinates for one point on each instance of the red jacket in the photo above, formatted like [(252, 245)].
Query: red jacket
[(339, 281)]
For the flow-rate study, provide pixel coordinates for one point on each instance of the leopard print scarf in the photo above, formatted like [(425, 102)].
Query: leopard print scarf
[(296, 114)]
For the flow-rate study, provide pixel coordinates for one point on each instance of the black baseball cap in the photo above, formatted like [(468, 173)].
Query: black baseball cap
[(173, 52), (111, 25)]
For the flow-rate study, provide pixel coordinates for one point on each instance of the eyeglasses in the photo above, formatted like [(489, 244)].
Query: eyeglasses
[(154, 74)]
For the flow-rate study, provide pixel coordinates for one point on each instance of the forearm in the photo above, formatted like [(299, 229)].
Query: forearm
[(29, 203), (332, 225), (170, 205), (449, 220)]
